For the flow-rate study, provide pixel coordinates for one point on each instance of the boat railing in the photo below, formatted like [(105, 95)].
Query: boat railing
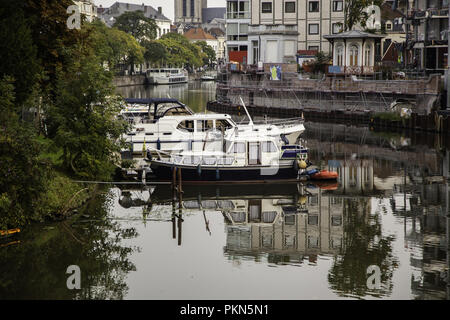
[(281, 122)]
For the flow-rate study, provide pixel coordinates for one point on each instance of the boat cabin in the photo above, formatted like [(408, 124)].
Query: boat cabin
[(155, 108)]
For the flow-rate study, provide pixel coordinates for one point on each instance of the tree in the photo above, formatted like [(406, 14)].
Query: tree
[(18, 54), (23, 175), (83, 117), (208, 51), (180, 51), (138, 25), (113, 46), (155, 52), (355, 12)]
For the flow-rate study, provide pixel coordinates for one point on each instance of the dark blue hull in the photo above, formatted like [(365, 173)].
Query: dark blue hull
[(164, 171)]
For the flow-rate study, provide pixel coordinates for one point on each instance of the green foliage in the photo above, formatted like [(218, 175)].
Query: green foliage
[(155, 52), (18, 54), (180, 51), (23, 174), (390, 116), (138, 25), (208, 51), (113, 46), (83, 119)]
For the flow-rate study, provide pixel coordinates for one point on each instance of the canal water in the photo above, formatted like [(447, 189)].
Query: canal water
[(380, 232)]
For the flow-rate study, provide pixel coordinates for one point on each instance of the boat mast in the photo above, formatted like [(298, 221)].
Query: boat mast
[(246, 111)]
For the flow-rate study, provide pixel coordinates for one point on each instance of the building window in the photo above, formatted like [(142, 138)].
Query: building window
[(340, 55), (313, 48), (388, 26), (192, 8), (289, 7), (354, 55), (337, 27), (266, 7), (367, 56), (184, 8), (337, 5), (313, 28), (314, 6), (233, 31)]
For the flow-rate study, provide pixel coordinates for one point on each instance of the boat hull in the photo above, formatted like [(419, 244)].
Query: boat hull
[(163, 171)]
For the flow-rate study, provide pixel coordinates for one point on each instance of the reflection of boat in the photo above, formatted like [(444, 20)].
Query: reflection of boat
[(207, 78), (325, 175), (166, 76)]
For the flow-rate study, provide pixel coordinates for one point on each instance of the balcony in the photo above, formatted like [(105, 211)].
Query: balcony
[(273, 29), (238, 15)]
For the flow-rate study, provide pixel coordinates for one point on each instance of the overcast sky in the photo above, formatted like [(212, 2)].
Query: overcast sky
[(167, 5)]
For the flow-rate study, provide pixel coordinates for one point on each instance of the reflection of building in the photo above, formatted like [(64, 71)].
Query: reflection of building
[(285, 230), (354, 175)]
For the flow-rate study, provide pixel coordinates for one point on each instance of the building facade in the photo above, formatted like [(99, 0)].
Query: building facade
[(109, 15), (88, 9), (238, 17), (198, 34), (428, 42), (189, 11), (279, 28)]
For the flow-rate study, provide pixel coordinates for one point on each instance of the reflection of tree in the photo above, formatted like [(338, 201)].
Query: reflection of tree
[(363, 245), (36, 269)]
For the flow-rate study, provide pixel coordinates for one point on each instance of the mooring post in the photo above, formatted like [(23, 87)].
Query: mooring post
[(180, 189), (174, 179), (174, 226)]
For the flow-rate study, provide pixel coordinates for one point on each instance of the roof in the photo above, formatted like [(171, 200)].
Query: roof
[(210, 13), (353, 34), (217, 32), (198, 34), (119, 8)]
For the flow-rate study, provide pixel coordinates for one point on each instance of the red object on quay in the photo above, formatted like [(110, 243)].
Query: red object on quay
[(325, 175)]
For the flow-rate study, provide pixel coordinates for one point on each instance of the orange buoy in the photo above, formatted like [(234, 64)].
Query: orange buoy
[(325, 175)]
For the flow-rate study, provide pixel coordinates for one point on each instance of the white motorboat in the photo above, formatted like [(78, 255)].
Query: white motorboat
[(237, 157), (166, 76), (170, 126)]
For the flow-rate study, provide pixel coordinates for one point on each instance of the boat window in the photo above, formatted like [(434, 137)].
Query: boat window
[(209, 161), (191, 160), (225, 124), (238, 217), (225, 161), (225, 204), (269, 216), (209, 204), (269, 146), (204, 125), (186, 125), (191, 204), (238, 147)]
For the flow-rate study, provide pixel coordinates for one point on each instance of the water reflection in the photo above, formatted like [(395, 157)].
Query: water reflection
[(36, 267), (389, 208), (195, 94)]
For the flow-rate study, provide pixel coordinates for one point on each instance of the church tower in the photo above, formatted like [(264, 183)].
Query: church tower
[(189, 11)]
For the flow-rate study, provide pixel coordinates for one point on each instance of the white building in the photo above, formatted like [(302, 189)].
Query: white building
[(279, 28), (110, 14), (88, 9), (354, 51), (237, 20), (198, 34)]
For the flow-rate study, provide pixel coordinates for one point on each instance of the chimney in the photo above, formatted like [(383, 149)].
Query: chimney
[(160, 10)]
